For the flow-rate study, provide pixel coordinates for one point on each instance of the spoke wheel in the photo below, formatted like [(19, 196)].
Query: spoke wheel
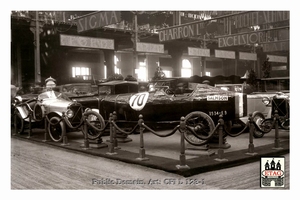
[(38, 112), (95, 121), (258, 119), (285, 124), (202, 124), (56, 129)]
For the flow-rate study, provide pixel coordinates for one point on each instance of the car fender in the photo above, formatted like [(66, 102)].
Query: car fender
[(23, 112), (96, 110), (55, 113)]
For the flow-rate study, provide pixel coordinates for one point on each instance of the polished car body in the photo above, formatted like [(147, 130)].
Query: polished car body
[(258, 98), (158, 106), (201, 108), (77, 90), (55, 112), (279, 111), (106, 89), (50, 104)]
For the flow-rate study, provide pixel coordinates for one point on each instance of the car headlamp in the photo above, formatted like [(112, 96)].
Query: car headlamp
[(87, 109), (266, 100), (18, 99), (69, 113)]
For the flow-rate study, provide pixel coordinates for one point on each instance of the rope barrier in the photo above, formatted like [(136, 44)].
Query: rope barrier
[(158, 134), (86, 144), (111, 148), (142, 151), (239, 133), (182, 157), (122, 131), (251, 132)]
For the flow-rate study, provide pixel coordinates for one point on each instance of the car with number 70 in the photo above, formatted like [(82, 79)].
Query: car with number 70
[(201, 108)]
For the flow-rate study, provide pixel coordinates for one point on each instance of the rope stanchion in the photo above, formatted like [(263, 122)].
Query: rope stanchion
[(15, 124), (46, 134), (277, 141), (111, 149), (115, 140), (30, 125), (251, 131), (86, 144), (142, 149), (221, 150), (64, 135), (182, 157)]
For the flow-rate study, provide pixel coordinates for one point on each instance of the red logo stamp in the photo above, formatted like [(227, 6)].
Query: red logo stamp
[(272, 171)]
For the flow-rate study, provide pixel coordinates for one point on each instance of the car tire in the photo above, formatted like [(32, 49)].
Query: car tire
[(95, 121), (38, 112), (202, 124), (19, 123), (258, 119), (56, 128)]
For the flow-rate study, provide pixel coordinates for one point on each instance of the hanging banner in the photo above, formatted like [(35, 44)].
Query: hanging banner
[(247, 56), (281, 59), (87, 42), (224, 54), (192, 51), (149, 47), (97, 20), (276, 46)]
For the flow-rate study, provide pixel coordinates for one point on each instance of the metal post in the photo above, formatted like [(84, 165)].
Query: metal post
[(182, 157), (142, 149), (220, 150), (15, 124), (86, 144), (64, 135), (46, 135), (251, 130), (277, 141), (30, 128), (115, 140), (111, 149), (37, 49), (136, 40)]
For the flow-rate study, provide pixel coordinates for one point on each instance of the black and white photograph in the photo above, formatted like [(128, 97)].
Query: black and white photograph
[(146, 96)]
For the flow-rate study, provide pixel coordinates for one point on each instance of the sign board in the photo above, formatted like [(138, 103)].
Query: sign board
[(87, 42), (281, 59), (97, 20), (276, 46), (241, 39), (247, 56), (238, 21), (149, 47), (192, 51), (245, 20), (278, 68), (184, 31), (224, 54)]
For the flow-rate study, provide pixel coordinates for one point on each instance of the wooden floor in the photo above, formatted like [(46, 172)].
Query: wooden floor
[(39, 166)]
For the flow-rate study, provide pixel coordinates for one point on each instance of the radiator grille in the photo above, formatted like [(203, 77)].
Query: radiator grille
[(78, 110)]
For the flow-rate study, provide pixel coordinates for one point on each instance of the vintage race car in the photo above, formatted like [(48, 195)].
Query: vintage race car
[(61, 113), (106, 89), (201, 108), (77, 90), (279, 103)]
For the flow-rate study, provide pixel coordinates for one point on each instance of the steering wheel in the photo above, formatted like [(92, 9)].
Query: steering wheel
[(170, 92)]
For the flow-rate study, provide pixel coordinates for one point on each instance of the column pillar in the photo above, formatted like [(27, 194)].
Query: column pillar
[(176, 54), (109, 62), (203, 70)]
